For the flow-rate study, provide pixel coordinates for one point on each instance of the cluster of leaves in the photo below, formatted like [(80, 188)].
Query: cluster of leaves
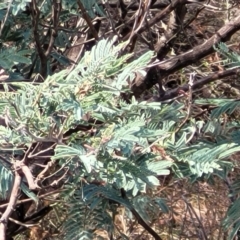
[(118, 153), (128, 145), (124, 144), (16, 28)]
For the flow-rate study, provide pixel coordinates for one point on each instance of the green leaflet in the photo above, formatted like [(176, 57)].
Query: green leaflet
[(118, 143)]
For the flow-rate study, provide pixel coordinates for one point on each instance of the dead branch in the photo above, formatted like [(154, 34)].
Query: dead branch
[(191, 210), (31, 184), (11, 206), (35, 12), (171, 94), (56, 10), (139, 218), (87, 19), (30, 199), (140, 17), (173, 64), (162, 14), (18, 222), (144, 224), (158, 17), (135, 5)]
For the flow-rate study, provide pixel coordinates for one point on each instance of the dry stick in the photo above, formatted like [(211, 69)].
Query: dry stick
[(137, 18), (200, 51), (35, 12), (56, 10), (88, 20), (11, 205), (30, 180), (92, 39), (190, 85), (20, 166), (26, 171), (182, 28), (174, 93), (36, 153), (18, 222), (175, 63), (137, 23), (158, 17), (140, 17), (111, 20), (40, 139), (195, 214), (140, 220), (6, 16), (144, 224), (134, 6), (195, 16), (30, 199)]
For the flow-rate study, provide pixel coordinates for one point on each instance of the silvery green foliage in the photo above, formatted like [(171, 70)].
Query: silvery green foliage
[(19, 5), (10, 57), (119, 152), (128, 144), (231, 220), (6, 179), (20, 55), (232, 59), (92, 7), (84, 219)]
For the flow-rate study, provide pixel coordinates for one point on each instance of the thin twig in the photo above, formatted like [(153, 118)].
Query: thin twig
[(141, 15), (190, 85), (6, 16), (159, 16), (195, 214), (30, 199), (173, 93), (140, 220), (35, 12), (87, 19), (18, 222), (33, 154), (56, 10), (11, 205)]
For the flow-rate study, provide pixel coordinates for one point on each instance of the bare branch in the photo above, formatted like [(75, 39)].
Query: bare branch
[(173, 64), (35, 20), (11, 206), (160, 16), (6, 16), (88, 20), (30, 199), (56, 10), (171, 94)]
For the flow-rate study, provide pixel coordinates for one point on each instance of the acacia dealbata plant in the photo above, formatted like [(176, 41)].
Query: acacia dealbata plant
[(121, 148), (82, 137)]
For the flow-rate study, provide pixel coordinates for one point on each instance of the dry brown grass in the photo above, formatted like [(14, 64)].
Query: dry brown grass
[(196, 211)]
